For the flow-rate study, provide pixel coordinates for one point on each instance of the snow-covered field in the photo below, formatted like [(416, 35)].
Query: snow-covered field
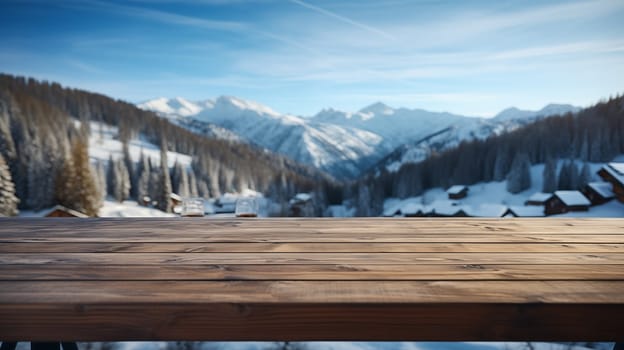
[(484, 198), (104, 142)]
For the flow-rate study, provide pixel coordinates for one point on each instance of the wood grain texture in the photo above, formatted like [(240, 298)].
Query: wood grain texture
[(312, 279)]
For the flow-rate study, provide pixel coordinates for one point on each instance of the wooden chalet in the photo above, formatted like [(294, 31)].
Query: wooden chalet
[(457, 192), (598, 192), (60, 211), (538, 198), (565, 201), (614, 174)]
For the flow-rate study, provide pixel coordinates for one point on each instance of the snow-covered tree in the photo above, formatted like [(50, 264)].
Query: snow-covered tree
[(574, 176), (192, 183), (519, 177), (143, 173), (121, 182), (179, 180), (549, 184), (8, 200), (100, 178), (585, 176), (163, 196), (75, 186)]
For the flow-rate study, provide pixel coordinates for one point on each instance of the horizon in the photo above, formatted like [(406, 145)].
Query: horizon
[(472, 59)]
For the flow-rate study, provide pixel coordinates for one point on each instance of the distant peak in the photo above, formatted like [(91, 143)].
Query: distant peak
[(377, 108)]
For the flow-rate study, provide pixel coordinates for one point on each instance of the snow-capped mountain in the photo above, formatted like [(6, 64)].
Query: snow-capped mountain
[(514, 113), (340, 150), (396, 126), (342, 143)]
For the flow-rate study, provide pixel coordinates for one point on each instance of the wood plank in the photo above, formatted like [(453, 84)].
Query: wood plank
[(312, 258), (305, 247), (280, 292), (345, 272), (304, 226), (319, 321), (301, 238)]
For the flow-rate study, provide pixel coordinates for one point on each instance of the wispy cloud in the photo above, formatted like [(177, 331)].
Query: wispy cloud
[(344, 19), (163, 16)]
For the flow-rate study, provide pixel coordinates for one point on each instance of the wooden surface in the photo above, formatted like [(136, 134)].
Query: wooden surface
[(312, 279)]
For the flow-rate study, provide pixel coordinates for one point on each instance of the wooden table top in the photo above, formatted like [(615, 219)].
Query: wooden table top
[(312, 279)]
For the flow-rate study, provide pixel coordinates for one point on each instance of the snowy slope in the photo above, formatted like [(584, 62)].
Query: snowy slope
[(103, 143), (342, 143), (483, 196)]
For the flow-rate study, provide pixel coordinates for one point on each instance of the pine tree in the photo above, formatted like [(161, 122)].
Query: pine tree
[(164, 184), (100, 178), (130, 168), (192, 183), (519, 177), (8, 200), (549, 184), (122, 181), (585, 176), (564, 177), (111, 176), (574, 176), (143, 173), (75, 185)]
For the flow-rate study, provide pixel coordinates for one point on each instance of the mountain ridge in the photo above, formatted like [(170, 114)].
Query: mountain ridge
[(344, 144)]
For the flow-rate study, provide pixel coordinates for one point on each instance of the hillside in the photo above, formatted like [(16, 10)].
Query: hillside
[(595, 134), (41, 123)]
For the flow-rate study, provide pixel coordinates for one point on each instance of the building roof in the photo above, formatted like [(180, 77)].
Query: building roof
[(456, 189), (540, 197), (602, 188), (527, 210), (572, 198), (619, 167), (444, 207), (616, 170), (412, 208), (67, 210)]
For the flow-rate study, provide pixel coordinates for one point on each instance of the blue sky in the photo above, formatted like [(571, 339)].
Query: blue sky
[(297, 56)]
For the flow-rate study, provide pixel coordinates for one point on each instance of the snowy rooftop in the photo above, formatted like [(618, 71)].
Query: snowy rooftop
[(540, 197), (456, 189), (527, 210), (412, 208), (602, 188), (485, 210), (445, 207), (619, 167), (572, 198), (616, 170)]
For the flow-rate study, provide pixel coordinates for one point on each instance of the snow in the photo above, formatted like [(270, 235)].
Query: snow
[(489, 198), (129, 209), (456, 189), (104, 143), (602, 188), (527, 210), (341, 143), (303, 197), (540, 197), (616, 170), (485, 210), (340, 211), (572, 198)]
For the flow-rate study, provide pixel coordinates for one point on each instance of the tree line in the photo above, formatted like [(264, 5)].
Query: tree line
[(44, 130), (595, 134)]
